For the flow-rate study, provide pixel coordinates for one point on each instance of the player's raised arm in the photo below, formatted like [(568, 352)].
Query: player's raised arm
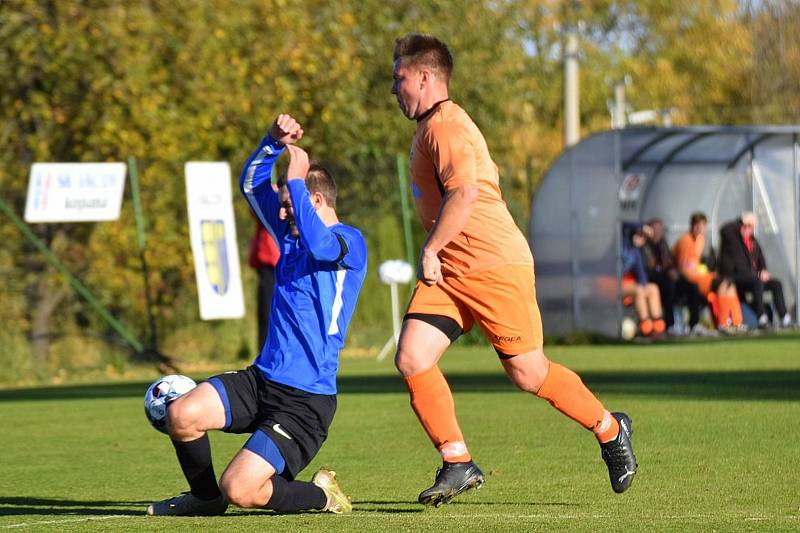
[(255, 180), (312, 217)]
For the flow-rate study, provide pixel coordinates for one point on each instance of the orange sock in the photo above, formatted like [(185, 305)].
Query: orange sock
[(432, 401), (723, 310), (659, 326), (736, 311), (566, 392), (646, 327)]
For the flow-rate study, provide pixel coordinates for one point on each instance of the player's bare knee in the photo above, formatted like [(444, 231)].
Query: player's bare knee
[(182, 418), (528, 371), (407, 362), (237, 492)]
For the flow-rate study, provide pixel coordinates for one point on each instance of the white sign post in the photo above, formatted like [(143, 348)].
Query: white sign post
[(391, 273), (212, 230), (74, 192)]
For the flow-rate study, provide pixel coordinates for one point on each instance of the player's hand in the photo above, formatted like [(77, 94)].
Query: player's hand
[(764, 275), (298, 162), (286, 129), (429, 270)]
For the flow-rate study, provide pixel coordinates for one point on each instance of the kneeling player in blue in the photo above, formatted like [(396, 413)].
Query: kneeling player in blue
[(287, 398)]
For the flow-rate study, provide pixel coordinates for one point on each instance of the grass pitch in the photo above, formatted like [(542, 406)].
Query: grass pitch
[(716, 432)]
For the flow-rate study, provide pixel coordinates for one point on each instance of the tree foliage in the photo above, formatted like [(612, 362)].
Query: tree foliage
[(169, 82)]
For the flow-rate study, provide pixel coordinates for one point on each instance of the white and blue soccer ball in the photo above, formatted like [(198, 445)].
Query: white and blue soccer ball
[(160, 394)]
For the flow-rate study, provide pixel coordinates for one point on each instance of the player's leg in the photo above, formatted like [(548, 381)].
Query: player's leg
[(685, 287), (431, 324), (734, 304), (533, 372), (635, 291), (509, 315), (188, 419), (564, 389), (654, 308), (775, 286), (250, 482), (246, 480), (292, 425), (666, 293)]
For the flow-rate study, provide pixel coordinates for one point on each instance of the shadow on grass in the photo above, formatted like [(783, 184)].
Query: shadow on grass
[(21, 505), (418, 507), (779, 385)]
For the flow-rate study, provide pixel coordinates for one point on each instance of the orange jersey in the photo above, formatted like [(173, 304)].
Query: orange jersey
[(688, 252), (448, 152)]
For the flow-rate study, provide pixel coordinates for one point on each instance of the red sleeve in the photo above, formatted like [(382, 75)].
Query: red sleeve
[(263, 249)]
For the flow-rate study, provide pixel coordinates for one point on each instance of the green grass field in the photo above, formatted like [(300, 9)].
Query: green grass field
[(716, 432)]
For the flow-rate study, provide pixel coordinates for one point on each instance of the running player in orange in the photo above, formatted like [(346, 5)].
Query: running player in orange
[(475, 267)]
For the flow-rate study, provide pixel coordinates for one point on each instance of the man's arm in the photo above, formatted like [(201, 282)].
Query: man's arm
[(457, 206), (255, 180), (323, 244), (453, 157), (256, 185)]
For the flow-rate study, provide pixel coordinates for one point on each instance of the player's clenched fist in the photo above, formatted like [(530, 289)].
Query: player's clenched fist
[(298, 162), (286, 129)]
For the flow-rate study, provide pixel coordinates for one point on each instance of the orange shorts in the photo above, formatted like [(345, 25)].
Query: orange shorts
[(502, 301)]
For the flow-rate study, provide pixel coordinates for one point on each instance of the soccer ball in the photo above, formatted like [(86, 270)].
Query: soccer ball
[(160, 394), (628, 328)]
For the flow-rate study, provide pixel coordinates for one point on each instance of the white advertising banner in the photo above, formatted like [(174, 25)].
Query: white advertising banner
[(74, 192), (212, 230)]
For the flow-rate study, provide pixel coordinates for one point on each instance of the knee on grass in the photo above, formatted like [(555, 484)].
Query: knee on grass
[(242, 494)]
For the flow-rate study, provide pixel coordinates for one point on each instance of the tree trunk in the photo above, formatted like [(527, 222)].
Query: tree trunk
[(47, 300)]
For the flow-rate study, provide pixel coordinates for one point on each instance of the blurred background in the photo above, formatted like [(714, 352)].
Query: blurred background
[(167, 82)]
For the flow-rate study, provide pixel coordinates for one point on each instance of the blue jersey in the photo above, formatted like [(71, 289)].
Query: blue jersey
[(317, 281)]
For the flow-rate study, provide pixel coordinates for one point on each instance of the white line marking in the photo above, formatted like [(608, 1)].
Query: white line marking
[(438, 517), (432, 516), (51, 522)]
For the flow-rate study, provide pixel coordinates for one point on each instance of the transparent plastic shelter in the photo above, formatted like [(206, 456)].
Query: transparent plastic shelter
[(635, 174)]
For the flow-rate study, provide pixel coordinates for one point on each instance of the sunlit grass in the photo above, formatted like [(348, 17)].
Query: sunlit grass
[(715, 431)]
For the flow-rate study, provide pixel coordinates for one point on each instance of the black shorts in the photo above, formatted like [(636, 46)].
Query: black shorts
[(297, 421)]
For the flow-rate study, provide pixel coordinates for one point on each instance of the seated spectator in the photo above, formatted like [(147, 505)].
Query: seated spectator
[(742, 260), (720, 292), (645, 295), (672, 285)]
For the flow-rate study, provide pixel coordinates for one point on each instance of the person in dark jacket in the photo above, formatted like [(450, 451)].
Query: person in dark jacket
[(742, 260)]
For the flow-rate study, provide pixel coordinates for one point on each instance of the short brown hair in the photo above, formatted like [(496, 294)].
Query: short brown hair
[(318, 180), (696, 218), (417, 50)]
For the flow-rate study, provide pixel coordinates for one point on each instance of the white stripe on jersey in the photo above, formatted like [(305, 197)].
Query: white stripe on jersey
[(247, 188), (337, 302)]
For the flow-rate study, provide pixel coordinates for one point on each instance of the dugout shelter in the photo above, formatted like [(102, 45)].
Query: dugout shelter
[(638, 173)]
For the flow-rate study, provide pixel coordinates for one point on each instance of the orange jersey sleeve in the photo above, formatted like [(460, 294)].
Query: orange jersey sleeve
[(448, 152)]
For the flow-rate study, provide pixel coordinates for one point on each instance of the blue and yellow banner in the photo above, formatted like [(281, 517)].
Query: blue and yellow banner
[(213, 233)]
